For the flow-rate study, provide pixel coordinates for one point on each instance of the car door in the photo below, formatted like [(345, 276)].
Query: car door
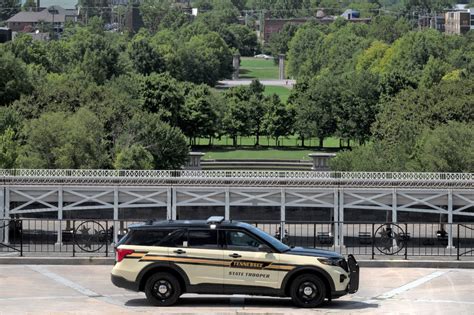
[(250, 262), (199, 254)]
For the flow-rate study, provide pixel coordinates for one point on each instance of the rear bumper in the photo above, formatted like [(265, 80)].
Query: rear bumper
[(353, 285), (124, 283)]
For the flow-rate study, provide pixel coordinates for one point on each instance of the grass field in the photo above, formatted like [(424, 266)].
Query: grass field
[(291, 141), (281, 91), (253, 68), (275, 154)]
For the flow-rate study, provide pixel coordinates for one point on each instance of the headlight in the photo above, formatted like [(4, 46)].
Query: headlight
[(339, 262), (329, 261)]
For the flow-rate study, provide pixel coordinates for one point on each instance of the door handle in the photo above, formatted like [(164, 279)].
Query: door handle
[(235, 255), (180, 251)]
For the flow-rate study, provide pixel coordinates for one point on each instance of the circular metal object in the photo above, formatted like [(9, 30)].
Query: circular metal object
[(307, 291), (90, 236), (390, 239), (162, 289)]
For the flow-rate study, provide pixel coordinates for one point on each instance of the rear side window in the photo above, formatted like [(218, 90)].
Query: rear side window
[(202, 239), (148, 237)]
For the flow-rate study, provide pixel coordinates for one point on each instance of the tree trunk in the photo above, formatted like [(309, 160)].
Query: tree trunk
[(234, 141), (321, 142), (302, 142), (257, 138), (348, 143), (210, 140)]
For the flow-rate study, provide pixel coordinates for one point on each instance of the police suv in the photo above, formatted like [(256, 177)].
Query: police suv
[(168, 258)]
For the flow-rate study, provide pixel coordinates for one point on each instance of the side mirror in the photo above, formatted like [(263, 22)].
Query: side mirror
[(264, 248)]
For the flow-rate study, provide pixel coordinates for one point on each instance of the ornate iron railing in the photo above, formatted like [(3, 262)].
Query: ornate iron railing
[(85, 237), (234, 178)]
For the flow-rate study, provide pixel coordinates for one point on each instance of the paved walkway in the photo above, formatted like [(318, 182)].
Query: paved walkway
[(230, 83), (88, 290)]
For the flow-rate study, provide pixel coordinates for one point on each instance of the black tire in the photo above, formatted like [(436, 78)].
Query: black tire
[(162, 289), (308, 291)]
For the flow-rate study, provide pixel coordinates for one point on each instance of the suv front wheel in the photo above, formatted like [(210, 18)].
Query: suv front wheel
[(308, 291), (162, 289)]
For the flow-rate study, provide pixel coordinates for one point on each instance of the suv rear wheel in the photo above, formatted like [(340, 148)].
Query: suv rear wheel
[(307, 291), (162, 289)]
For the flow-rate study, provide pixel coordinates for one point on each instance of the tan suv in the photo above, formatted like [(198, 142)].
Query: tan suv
[(168, 258)]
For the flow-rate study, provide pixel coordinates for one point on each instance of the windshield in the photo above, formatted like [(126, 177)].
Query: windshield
[(270, 239)]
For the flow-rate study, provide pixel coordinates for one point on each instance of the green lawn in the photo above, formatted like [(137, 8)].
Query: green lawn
[(254, 68), (291, 141), (281, 91), (259, 154)]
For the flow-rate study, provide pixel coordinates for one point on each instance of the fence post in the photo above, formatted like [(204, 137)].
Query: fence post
[(116, 215), (458, 244), (21, 238), (6, 239), (74, 238), (107, 237), (394, 214), (282, 214), (341, 217), (227, 204), (173, 204), (405, 241), (450, 219), (2, 213), (373, 240), (336, 218), (59, 240)]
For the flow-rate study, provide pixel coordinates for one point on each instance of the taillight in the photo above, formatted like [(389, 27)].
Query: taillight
[(120, 253)]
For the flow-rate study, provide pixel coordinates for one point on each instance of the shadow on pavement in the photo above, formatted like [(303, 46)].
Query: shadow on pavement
[(225, 302)]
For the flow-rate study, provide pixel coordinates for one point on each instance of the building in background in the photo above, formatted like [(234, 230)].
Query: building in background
[(457, 22), (52, 18), (5, 34)]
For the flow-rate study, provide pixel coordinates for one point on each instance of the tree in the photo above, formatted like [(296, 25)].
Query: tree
[(356, 111), (8, 149), (278, 120), (409, 54), (245, 39), (236, 120), (135, 157), (427, 5), (447, 148), (303, 51), (257, 109), (204, 59), (58, 140), (153, 12), (143, 55), (199, 114), (95, 54), (14, 79), (278, 42), (388, 28), (162, 94), (314, 105), (9, 8), (166, 144)]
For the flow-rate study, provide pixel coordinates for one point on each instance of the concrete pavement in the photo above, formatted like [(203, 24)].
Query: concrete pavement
[(88, 290)]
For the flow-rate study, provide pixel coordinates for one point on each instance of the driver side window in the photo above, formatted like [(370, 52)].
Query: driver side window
[(239, 240)]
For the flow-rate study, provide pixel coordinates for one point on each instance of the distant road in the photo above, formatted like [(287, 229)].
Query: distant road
[(230, 83)]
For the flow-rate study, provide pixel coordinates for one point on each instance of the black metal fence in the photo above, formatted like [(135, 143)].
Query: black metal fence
[(49, 237)]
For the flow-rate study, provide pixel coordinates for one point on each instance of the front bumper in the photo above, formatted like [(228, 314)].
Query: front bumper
[(353, 285), (124, 283)]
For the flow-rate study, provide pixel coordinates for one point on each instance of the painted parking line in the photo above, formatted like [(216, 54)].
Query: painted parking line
[(66, 282), (77, 287), (408, 286)]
